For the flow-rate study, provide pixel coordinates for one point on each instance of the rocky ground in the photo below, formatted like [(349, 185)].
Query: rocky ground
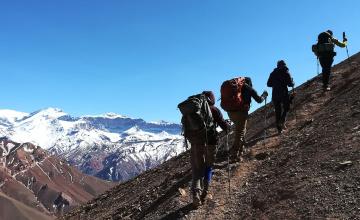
[(311, 171)]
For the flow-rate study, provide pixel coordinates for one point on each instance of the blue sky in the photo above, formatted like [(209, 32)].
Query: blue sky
[(141, 58)]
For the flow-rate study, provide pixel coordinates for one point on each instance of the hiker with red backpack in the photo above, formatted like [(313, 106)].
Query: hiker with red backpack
[(236, 97), (279, 80), (324, 50), (200, 119)]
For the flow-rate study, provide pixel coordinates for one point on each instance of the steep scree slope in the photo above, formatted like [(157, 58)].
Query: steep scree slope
[(311, 171)]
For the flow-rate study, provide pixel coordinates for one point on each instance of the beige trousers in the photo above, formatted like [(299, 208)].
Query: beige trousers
[(239, 119)]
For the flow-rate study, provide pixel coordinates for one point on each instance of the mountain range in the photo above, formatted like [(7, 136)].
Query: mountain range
[(110, 146)]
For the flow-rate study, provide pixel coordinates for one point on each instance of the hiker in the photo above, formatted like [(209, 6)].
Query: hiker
[(212, 141), (236, 97), (279, 80), (203, 140), (324, 50)]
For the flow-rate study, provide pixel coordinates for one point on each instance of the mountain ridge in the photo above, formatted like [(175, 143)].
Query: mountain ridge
[(33, 177), (93, 143)]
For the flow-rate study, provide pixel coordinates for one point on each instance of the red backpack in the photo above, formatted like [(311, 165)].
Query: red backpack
[(231, 99)]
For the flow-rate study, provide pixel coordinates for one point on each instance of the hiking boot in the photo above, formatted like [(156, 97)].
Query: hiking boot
[(203, 196), (196, 199), (279, 128)]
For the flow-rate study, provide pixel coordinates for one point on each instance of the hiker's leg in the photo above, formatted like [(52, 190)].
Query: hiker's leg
[(326, 63), (209, 161), (240, 129), (210, 155), (277, 106), (235, 119), (286, 106), (197, 166)]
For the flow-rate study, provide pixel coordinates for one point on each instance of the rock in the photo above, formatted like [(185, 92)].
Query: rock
[(182, 192), (262, 156), (344, 164)]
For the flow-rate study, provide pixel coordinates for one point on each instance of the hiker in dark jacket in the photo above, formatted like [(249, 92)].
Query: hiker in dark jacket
[(203, 151), (325, 53), (279, 80), (239, 118)]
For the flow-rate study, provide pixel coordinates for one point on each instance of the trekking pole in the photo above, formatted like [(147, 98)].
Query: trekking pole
[(347, 51), (228, 161), (293, 92), (318, 66), (265, 121), (186, 144)]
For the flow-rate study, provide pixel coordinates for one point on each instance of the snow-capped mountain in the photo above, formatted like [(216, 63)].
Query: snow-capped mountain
[(109, 146)]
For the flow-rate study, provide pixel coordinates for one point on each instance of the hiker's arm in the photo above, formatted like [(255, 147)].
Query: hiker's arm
[(339, 43), (290, 81), (254, 94), (219, 119), (270, 81)]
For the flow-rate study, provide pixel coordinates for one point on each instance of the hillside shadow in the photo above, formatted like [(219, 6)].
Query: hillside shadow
[(170, 192), (179, 213)]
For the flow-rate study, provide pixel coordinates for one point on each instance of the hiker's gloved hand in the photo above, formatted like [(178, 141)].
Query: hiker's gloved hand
[(264, 94), (344, 39)]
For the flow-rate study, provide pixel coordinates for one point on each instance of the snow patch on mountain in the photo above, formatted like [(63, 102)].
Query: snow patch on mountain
[(110, 146), (11, 115), (109, 115)]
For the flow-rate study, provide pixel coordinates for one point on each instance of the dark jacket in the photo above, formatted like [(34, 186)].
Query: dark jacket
[(218, 118), (248, 92), (279, 80)]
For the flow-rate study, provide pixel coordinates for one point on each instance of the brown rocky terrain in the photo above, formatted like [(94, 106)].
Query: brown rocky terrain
[(29, 175), (311, 171)]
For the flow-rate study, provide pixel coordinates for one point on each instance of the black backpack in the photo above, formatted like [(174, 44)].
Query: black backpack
[(196, 115), (324, 45), (324, 38)]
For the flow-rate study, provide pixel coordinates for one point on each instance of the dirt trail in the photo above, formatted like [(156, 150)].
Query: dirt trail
[(308, 172)]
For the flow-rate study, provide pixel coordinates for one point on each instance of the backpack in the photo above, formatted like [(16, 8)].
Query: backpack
[(196, 115), (231, 98), (324, 45)]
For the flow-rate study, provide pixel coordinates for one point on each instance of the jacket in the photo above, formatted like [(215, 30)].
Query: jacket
[(218, 118), (327, 38), (248, 92), (279, 80)]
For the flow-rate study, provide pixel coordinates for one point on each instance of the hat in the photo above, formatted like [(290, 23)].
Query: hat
[(330, 32), (281, 63)]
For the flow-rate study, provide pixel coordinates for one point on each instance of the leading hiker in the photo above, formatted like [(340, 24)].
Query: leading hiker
[(236, 97), (279, 80), (200, 119), (324, 50)]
